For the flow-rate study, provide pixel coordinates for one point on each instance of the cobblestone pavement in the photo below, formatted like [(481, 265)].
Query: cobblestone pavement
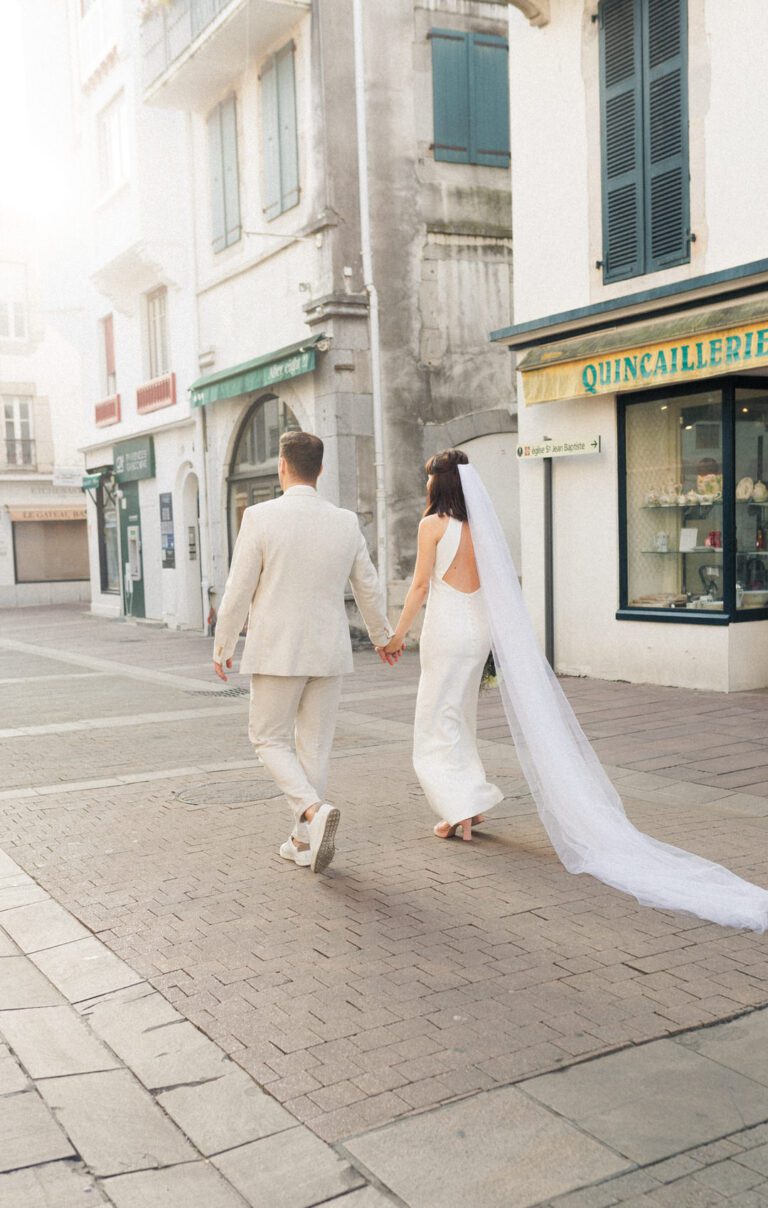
[(418, 973)]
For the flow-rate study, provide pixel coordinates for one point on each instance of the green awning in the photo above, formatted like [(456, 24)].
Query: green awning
[(289, 362)]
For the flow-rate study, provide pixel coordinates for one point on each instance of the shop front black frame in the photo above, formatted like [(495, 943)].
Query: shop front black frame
[(727, 385)]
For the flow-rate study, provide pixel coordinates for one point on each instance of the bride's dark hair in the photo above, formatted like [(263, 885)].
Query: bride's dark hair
[(445, 496)]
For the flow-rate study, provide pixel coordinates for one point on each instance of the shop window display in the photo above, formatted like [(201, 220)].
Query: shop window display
[(674, 503)]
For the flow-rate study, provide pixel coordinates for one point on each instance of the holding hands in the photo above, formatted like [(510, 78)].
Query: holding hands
[(392, 651)]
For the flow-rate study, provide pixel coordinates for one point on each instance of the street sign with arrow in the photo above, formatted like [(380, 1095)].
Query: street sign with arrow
[(547, 447)]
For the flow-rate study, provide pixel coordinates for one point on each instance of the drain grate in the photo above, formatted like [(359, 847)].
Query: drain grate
[(229, 792), (217, 691)]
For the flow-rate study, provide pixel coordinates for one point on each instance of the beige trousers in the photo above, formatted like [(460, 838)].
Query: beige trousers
[(291, 724)]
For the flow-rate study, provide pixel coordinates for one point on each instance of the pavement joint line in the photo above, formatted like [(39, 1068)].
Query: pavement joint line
[(237, 765), (32, 680), (108, 665), (117, 723)]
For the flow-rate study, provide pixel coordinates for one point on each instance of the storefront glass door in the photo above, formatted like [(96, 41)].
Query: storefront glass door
[(131, 549)]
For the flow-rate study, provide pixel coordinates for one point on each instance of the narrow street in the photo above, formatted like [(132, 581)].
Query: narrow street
[(141, 886)]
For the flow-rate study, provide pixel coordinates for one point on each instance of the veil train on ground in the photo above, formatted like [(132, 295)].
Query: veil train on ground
[(577, 803)]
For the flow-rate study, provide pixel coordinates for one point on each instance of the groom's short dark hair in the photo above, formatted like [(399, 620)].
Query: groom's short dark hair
[(304, 454)]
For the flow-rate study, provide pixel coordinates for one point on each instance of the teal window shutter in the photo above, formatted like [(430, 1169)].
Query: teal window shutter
[(231, 174), (621, 104), (667, 218), (271, 129), (489, 100), (225, 182), (450, 94), (644, 127), (289, 147), (218, 229), (281, 144)]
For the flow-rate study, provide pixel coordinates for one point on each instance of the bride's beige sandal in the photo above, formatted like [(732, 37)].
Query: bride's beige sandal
[(446, 830)]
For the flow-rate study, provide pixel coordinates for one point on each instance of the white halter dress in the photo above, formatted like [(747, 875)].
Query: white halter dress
[(455, 643)]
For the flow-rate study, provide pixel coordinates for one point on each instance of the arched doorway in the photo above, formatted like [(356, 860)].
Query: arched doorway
[(253, 469)]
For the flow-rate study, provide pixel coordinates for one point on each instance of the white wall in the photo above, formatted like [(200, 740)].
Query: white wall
[(495, 459)]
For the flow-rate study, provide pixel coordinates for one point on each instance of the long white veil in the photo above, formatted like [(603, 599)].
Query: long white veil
[(579, 807)]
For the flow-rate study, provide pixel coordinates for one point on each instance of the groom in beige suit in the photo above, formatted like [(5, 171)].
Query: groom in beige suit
[(292, 561)]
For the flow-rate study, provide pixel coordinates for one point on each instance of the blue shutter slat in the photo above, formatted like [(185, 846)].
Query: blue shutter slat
[(450, 94), (489, 100), (270, 126), (288, 136), (667, 220), (218, 228), (621, 116), (231, 174)]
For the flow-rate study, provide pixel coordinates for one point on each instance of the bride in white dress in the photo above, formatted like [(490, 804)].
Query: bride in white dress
[(454, 646), (475, 600)]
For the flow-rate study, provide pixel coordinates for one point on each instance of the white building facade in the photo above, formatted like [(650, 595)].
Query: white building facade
[(142, 451), (641, 319), (43, 537), (43, 543), (229, 300)]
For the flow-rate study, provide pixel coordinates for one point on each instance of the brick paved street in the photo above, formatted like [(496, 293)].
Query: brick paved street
[(417, 973)]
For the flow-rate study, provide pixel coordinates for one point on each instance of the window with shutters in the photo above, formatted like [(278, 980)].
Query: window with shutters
[(157, 332), (470, 92), (112, 145), (109, 378), (281, 144), (225, 180), (19, 442), (644, 136)]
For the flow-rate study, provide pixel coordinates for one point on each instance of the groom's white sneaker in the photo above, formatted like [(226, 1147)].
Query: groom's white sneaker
[(322, 832), (300, 855)]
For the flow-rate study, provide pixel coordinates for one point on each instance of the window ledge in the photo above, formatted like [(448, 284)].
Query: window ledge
[(677, 616)]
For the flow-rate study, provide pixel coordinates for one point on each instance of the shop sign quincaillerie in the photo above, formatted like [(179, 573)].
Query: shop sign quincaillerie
[(649, 365)]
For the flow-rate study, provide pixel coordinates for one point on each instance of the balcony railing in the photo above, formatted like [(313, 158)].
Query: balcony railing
[(160, 392), (170, 29), (19, 454), (107, 411)]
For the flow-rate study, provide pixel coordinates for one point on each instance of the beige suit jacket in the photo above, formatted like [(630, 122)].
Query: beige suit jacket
[(293, 559)]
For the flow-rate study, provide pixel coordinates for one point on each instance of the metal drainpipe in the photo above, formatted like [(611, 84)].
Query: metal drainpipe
[(201, 425), (373, 297)]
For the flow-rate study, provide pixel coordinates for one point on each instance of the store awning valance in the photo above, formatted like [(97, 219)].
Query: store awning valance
[(686, 346), (289, 362)]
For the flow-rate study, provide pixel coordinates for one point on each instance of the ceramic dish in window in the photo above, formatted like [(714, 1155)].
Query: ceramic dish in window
[(754, 599), (760, 492), (709, 484), (744, 489)]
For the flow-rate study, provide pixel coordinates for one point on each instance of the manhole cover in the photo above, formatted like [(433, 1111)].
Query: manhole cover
[(229, 792)]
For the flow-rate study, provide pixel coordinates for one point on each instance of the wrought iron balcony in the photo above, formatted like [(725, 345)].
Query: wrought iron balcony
[(19, 454), (193, 48)]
